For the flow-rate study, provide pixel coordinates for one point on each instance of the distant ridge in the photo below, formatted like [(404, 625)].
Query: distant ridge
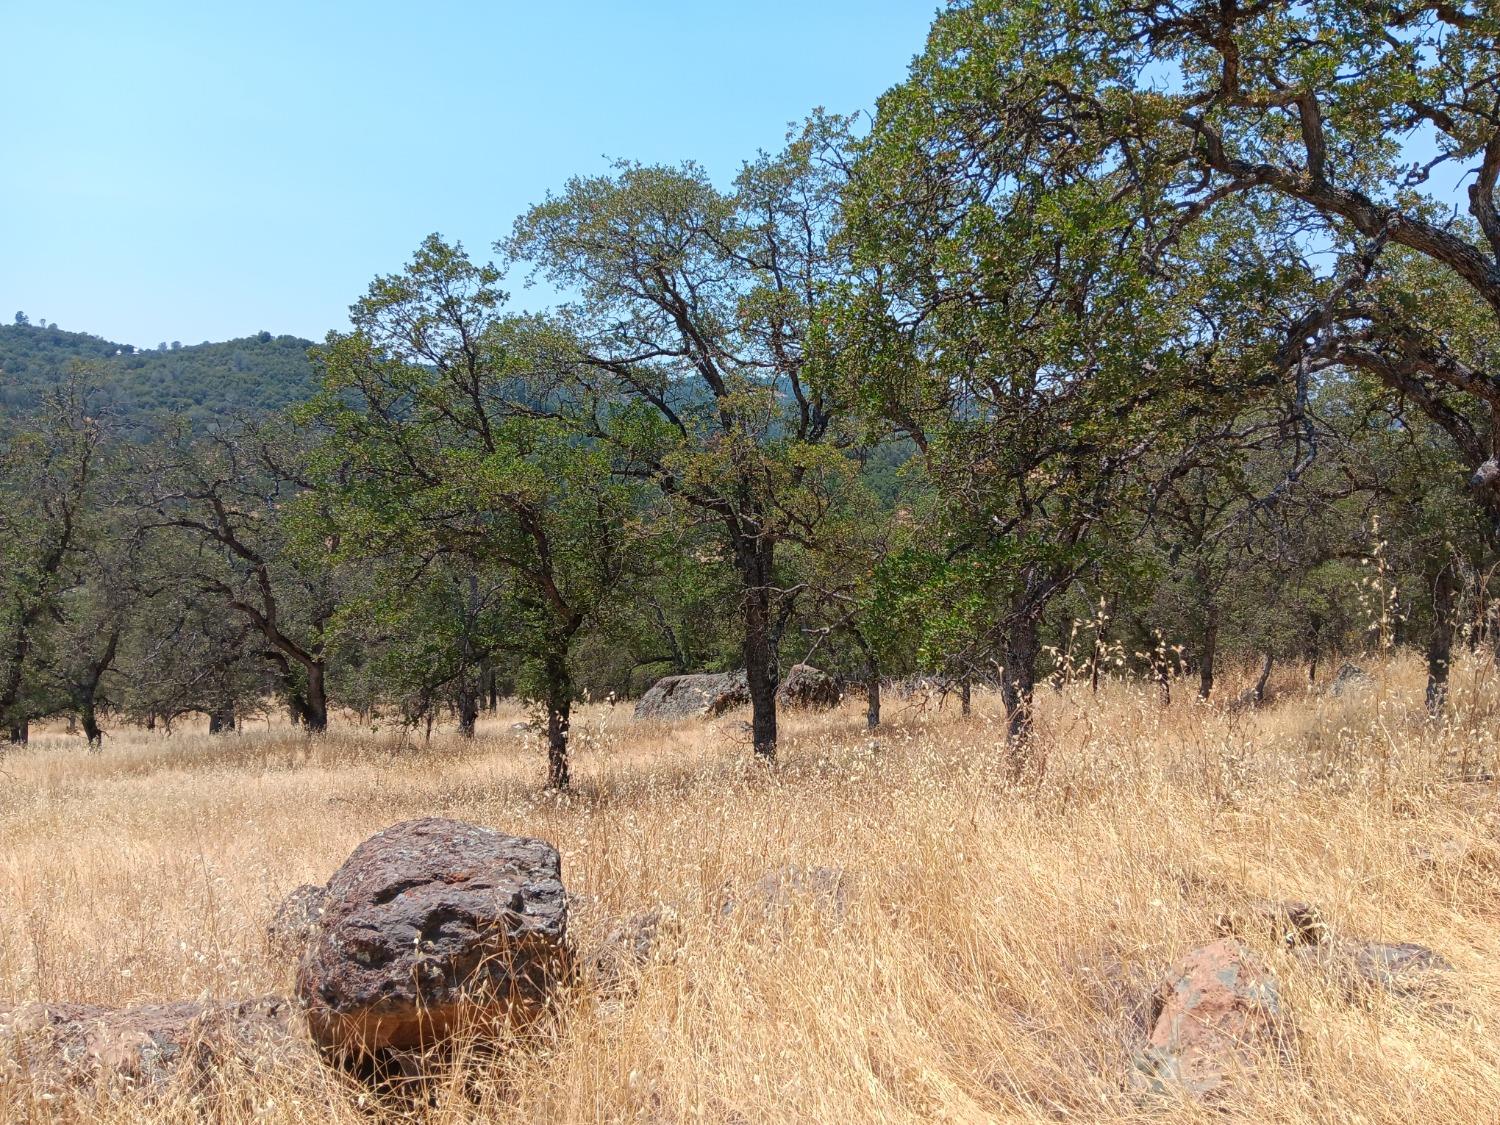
[(253, 376)]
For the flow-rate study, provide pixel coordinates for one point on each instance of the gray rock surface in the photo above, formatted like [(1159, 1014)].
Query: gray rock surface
[(807, 688), (1402, 968), (148, 1047), (705, 695)]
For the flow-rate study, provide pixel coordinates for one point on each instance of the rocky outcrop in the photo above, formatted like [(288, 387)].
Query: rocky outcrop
[(807, 688), (296, 922), (692, 697), (1217, 1013), (148, 1047), (435, 927), (710, 694), (1402, 969)]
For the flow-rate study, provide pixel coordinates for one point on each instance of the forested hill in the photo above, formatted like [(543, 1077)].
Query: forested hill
[(203, 382)]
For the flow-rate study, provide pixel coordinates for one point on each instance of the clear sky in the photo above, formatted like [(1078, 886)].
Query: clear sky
[(198, 171)]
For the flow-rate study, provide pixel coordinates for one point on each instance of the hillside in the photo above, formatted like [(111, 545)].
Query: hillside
[(252, 376)]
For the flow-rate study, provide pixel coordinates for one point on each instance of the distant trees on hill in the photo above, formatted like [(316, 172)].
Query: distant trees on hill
[(254, 376)]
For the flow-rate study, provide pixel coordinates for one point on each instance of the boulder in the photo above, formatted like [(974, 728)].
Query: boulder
[(809, 688), (1216, 1013), (296, 922), (1403, 968), (692, 697), (1350, 678), (434, 927), (148, 1047)]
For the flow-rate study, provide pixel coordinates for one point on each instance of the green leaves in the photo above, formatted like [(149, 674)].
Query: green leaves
[(475, 463)]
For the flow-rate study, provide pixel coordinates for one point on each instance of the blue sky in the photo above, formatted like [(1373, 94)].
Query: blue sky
[(192, 171)]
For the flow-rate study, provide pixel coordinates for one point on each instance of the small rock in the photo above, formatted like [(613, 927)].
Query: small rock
[(296, 921), (630, 943), (1216, 1012), (1286, 923), (1402, 969), (525, 726), (87, 1047), (1350, 678), (825, 888), (434, 926)]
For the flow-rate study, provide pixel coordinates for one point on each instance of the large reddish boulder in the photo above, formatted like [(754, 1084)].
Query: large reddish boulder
[(85, 1046), (435, 927), (1217, 1013)]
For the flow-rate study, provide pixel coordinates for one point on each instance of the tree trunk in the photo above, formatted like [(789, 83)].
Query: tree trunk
[(559, 709), (1208, 650), (1101, 622), (1440, 641), (491, 687), (221, 719), (1017, 688), (316, 699), (872, 678), (1258, 692), (761, 670), (88, 691), (468, 706), (680, 664), (20, 732), (965, 697), (89, 719)]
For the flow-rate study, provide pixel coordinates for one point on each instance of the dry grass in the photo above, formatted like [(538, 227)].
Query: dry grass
[(996, 957)]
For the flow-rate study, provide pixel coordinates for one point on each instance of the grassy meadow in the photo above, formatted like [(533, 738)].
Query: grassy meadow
[(995, 959)]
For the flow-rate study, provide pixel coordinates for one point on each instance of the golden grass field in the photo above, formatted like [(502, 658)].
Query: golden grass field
[(1000, 945)]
